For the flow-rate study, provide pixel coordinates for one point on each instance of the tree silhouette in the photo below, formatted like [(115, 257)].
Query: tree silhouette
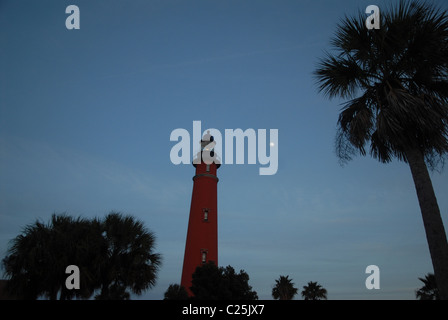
[(175, 292), (284, 289), (113, 255), (39, 256), (429, 290), (210, 282), (396, 81), (21, 265), (75, 241), (314, 291), (129, 260)]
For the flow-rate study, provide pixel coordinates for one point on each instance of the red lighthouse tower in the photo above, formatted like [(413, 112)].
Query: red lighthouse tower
[(202, 235)]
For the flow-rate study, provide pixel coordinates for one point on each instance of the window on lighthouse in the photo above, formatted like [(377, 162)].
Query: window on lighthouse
[(205, 214), (204, 256), (207, 168)]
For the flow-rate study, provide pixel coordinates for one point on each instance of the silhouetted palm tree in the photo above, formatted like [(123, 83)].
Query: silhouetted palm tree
[(130, 261), (396, 80), (26, 254), (429, 291), (75, 241), (314, 291), (284, 289), (38, 257), (113, 255)]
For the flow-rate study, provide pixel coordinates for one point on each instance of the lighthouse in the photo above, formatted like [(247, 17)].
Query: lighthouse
[(202, 236)]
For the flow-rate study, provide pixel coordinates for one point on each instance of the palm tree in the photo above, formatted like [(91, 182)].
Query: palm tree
[(284, 289), (74, 241), (113, 255), (39, 256), (129, 260), (429, 291), (395, 79), (314, 291), (26, 279)]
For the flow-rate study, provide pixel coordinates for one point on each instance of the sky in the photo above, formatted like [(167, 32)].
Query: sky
[(86, 116)]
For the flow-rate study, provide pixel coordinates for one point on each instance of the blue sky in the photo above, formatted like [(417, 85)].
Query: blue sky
[(86, 117)]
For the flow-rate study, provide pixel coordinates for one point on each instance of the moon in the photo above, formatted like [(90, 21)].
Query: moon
[(271, 144)]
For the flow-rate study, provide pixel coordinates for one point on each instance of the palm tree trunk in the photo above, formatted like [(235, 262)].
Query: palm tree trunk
[(435, 231)]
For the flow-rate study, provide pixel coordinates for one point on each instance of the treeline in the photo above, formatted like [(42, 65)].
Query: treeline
[(115, 257), (210, 282)]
